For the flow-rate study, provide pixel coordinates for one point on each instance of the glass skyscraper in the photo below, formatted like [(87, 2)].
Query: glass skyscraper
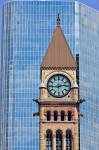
[(89, 76), (27, 30)]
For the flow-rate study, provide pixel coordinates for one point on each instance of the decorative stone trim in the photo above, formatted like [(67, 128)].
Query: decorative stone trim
[(58, 68)]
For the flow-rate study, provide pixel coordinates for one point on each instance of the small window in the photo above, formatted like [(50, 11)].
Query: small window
[(58, 140), (55, 115), (48, 140), (48, 115), (69, 115), (62, 115), (68, 140)]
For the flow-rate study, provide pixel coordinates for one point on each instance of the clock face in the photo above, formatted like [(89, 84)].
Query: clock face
[(58, 85)]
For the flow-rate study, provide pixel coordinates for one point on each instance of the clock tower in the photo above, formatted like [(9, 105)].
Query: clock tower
[(58, 102)]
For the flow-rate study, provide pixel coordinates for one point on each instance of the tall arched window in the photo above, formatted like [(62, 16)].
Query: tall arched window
[(58, 140), (62, 115), (48, 115), (69, 116), (55, 115), (48, 140), (68, 140)]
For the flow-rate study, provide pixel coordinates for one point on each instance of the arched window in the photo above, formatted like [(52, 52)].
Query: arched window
[(48, 140), (48, 115), (55, 115), (58, 140), (68, 140), (69, 116), (62, 115)]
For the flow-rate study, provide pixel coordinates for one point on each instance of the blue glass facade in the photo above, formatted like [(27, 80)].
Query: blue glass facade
[(89, 76), (27, 30)]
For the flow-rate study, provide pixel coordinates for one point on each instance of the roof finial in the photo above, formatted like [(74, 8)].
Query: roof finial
[(58, 20)]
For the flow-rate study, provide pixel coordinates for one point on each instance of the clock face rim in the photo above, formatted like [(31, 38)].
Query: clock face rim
[(52, 94)]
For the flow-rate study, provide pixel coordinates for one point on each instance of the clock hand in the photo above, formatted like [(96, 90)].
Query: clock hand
[(59, 85), (65, 85), (53, 86)]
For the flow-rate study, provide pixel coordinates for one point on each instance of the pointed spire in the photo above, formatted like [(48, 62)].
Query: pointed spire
[(58, 20), (58, 54)]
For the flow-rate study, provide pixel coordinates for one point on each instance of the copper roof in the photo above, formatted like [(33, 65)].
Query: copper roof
[(58, 54)]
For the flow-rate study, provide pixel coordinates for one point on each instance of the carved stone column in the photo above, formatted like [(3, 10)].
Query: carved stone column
[(64, 142), (59, 117), (54, 142), (52, 117)]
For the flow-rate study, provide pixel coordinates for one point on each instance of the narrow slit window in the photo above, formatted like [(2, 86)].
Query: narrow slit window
[(49, 140), (62, 115), (55, 115), (58, 140), (69, 115), (48, 115), (68, 140)]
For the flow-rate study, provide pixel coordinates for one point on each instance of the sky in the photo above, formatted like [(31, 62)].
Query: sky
[(92, 3)]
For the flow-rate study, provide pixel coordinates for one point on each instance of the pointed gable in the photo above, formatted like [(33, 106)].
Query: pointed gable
[(58, 54)]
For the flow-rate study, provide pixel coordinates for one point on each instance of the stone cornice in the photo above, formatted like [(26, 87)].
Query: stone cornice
[(58, 68), (57, 103), (62, 122)]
